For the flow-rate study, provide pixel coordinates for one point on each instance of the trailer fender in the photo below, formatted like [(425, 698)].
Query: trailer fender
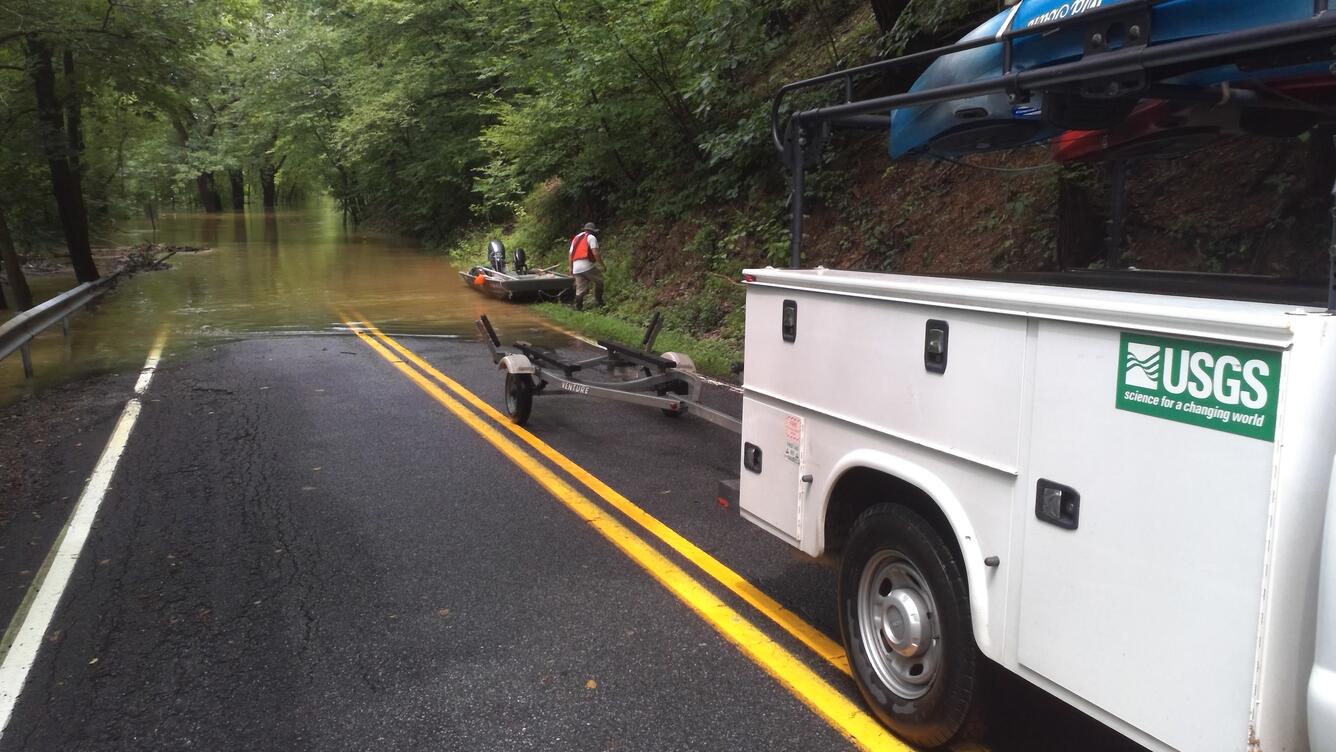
[(977, 574), (516, 364), (685, 365), (683, 361)]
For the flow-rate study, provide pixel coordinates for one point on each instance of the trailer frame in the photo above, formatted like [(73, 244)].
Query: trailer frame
[(668, 381)]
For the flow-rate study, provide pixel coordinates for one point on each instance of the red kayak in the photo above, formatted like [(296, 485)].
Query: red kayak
[(1166, 128)]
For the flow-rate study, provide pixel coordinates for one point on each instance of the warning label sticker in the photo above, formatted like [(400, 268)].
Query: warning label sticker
[(793, 436)]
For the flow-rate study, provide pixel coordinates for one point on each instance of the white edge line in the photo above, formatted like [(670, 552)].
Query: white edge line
[(150, 366), (32, 625)]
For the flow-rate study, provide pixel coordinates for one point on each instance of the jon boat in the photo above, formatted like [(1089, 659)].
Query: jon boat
[(544, 285)]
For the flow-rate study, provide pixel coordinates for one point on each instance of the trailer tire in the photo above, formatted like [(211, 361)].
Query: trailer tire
[(905, 619), (519, 397)]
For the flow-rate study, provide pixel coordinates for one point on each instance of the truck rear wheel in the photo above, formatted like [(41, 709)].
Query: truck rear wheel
[(519, 396), (905, 619)]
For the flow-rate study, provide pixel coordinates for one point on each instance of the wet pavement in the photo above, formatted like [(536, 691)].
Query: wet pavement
[(302, 549)]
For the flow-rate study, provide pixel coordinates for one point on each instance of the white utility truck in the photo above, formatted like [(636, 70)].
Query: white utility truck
[(1113, 484), (1117, 495)]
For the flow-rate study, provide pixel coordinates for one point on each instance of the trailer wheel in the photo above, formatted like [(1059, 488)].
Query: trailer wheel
[(905, 619), (519, 397)]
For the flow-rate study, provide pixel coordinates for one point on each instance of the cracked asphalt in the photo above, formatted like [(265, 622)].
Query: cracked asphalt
[(303, 551)]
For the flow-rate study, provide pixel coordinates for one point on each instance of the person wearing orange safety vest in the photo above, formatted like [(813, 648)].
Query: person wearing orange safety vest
[(584, 265)]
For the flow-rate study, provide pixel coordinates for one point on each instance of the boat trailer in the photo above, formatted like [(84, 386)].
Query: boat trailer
[(668, 381)]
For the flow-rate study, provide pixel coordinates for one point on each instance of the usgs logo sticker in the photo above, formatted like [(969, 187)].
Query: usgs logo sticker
[(1226, 388)]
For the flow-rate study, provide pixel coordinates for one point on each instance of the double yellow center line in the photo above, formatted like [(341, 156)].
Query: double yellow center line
[(818, 694)]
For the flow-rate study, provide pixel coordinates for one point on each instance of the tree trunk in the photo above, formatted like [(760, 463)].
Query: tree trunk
[(65, 182), (347, 196), (238, 190), (73, 116), (1080, 223), (267, 175), (18, 284), (888, 13), (209, 198)]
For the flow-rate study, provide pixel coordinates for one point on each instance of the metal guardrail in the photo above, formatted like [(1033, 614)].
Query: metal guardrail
[(16, 333)]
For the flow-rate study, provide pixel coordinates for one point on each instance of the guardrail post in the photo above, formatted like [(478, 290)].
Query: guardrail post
[(27, 360), (65, 326)]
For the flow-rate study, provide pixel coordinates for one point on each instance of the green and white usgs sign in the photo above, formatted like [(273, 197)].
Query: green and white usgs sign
[(1227, 388)]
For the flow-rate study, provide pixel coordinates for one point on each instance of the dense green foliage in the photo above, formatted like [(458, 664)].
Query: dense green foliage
[(427, 116), (125, 70), (424, 115), (461, 120)]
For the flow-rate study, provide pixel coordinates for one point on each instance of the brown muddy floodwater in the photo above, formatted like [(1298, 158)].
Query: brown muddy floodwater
[(266, 275)]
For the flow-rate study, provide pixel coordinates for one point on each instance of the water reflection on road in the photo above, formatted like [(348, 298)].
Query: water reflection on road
[(265, 275)]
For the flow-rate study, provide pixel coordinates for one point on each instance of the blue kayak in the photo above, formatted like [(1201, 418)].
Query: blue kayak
[(993, 122)]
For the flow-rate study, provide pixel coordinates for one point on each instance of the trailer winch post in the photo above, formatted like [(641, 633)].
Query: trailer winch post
[(489, 337), (652, 331)]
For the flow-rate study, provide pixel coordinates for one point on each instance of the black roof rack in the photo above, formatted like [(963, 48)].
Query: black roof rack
[(1102, 71)]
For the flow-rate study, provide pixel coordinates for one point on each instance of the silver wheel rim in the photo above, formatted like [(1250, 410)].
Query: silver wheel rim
[(511, 388), (897, 619)]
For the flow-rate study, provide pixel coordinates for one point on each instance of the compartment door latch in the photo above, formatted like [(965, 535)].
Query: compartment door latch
[(751, 457), (935, 338), (1058, 505), (789, 322)]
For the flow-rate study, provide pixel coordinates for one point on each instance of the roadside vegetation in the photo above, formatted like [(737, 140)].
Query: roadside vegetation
[(712, 356), (456, 121)]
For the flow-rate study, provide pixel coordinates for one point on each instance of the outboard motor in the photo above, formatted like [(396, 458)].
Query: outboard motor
[(521, 261), (496, 253)]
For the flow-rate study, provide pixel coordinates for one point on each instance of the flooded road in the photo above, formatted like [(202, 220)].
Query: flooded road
[(348, 539), (263, 275)]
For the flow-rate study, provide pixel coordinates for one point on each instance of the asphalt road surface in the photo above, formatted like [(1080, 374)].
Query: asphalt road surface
[(317, 543)]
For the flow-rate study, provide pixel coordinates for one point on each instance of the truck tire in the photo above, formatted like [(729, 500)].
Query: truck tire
[(905, 620), (519, 397)]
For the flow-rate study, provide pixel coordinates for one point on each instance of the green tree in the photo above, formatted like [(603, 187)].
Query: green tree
[(74, 51)]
